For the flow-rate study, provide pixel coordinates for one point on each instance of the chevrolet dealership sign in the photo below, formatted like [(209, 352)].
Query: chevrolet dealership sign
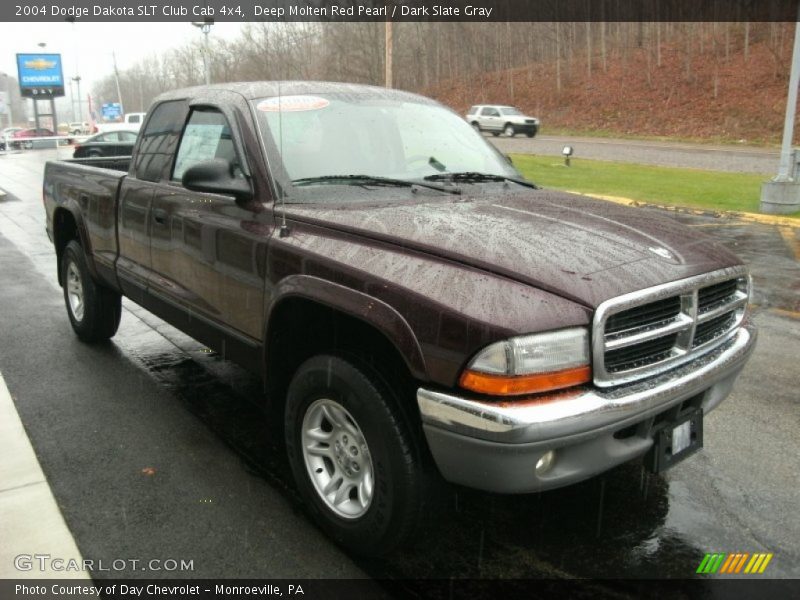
[(40, 75)]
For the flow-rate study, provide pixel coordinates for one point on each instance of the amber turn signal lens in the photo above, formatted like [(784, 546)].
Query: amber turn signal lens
[(505, 385)]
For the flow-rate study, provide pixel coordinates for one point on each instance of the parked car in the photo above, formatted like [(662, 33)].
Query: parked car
[(498, 119), (79, 128), (113, 143), (415, 307), (26, 138)]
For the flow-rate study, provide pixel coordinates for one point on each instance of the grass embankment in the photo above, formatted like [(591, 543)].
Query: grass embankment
[(692, 188)]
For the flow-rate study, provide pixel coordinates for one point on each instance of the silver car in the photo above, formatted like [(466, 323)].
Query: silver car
[(497, 119)]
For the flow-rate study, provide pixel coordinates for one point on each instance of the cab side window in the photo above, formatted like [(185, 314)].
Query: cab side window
[(207, 136), (159, 140)]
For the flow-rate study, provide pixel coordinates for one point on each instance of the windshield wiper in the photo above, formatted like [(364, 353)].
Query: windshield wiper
[(371, 180), (474, 176)]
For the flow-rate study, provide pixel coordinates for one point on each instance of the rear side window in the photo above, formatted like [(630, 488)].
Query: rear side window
[(159, 140), (207, 136), (490, 112)]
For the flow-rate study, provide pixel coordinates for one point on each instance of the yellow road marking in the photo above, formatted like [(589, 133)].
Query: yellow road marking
[(744, 216), (788, 235), (734, 224), (792, 314)]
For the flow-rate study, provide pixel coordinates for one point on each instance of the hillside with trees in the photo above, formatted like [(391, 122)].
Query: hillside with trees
[(716, 81)]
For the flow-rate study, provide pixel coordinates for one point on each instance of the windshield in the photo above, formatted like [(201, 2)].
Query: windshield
[(511, 111), (367, 134)]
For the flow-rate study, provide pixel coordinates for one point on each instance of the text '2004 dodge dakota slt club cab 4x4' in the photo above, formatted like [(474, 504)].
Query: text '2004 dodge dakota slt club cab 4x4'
[(414, 306)]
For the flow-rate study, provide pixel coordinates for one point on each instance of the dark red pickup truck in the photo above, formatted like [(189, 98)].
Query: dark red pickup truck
[(413, 305)]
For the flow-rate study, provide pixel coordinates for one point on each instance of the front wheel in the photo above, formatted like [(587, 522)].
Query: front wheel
[(354, 460), (94, 311)]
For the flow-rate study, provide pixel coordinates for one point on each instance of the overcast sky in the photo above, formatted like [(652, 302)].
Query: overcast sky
[(92, 43)]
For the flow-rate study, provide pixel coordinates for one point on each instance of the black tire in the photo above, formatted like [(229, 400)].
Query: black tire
[(495, 133), (509, 130), (530, 134), (392, 516), (101, 307), (475, 126)]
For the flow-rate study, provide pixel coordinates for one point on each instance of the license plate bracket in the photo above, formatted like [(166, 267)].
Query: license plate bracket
[(676, 440)]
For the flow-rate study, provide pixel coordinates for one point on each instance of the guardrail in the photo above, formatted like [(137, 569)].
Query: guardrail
[(11, 144)]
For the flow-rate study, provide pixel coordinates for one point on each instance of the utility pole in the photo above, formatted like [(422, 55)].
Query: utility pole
[(77, 77), (116, 78), (205, 27), (781, 195), (388, 56), (77, 80)]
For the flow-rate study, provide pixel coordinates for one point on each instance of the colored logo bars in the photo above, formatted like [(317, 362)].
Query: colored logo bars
[(736, 563)]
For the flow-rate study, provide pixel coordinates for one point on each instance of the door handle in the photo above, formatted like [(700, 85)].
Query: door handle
[(160, 216)]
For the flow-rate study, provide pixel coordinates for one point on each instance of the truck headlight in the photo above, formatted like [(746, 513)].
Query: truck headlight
[(531, 364)]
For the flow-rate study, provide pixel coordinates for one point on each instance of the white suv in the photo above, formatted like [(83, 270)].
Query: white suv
[(498, 119)]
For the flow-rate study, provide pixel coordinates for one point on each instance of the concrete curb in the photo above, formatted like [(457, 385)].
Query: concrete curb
[(742, 216), (32, 523)]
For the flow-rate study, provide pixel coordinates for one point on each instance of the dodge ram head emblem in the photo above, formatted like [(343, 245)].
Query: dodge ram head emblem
[(662, 252)]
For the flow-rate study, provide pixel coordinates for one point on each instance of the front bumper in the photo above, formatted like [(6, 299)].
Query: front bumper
[(526, 128), (495, 446)]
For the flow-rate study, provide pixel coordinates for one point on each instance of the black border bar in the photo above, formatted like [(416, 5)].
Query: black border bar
[(284, 11), (755, 587)]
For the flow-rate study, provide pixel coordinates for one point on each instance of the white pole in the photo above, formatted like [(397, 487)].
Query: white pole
[(785, 170), (389, 42)]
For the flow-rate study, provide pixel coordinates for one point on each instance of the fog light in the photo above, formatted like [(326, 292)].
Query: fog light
[(545, 462)]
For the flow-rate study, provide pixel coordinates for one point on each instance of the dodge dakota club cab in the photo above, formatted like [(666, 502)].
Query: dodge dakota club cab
[(415, 307)]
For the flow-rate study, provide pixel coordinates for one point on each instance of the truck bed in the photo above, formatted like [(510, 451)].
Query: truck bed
[(114, 163), (85, 190)]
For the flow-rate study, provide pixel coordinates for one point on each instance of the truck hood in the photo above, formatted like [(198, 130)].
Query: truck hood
[(582, 249)]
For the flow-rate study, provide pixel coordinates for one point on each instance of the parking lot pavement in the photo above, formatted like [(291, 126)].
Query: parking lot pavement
[(154, 447)]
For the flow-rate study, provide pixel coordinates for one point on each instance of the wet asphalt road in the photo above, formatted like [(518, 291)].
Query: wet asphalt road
[(744, 159), (156, 448)]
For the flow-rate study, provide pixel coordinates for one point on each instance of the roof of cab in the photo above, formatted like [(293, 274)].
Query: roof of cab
[(264, 89)]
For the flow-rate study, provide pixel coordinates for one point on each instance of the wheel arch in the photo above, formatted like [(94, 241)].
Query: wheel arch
[(308, 315), (66, 227)]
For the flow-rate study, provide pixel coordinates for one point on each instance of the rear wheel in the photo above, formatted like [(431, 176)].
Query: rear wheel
[(476, 127), (352, 455), (509, 130), (94, 310)]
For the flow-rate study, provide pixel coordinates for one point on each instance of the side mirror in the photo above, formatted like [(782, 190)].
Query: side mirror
[(215, 176)]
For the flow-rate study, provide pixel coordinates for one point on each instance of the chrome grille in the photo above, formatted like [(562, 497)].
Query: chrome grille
[(648, 332)]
